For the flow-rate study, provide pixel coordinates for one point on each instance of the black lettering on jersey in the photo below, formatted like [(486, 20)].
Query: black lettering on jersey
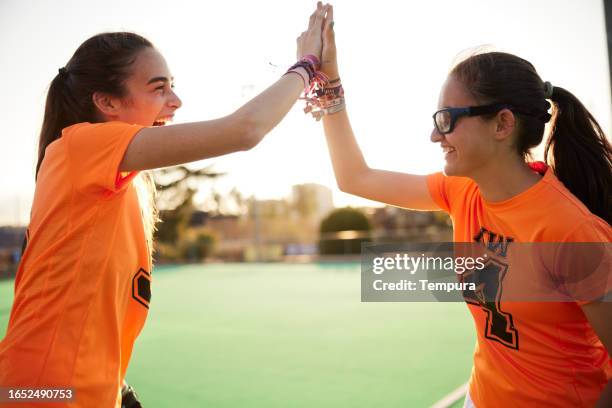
[(496, 243), (141, 287), (489, 282)]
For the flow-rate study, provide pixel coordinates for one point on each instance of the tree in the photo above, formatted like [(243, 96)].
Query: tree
[(343, 231), (201, 247), (176, 187)]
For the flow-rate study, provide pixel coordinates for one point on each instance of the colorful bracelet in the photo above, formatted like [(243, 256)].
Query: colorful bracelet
[(321, 99), (328, 103), (305, 78), (313, 60), (335, 91), (328, 111)]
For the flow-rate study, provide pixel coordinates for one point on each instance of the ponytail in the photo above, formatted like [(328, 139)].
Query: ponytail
[(579, 153), (56, 116), (576, 149), (101, 64)]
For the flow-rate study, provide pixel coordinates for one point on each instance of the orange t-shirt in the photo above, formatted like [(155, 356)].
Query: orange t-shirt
[(82, 289), (538, 353)]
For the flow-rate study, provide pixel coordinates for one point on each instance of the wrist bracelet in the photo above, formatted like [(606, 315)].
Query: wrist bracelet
[(305, 78), (312, 60), (328, 111), (328, 103), (335, 91)]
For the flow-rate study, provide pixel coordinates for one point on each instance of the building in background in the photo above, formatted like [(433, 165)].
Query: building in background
[(289, 228), (312, 201)]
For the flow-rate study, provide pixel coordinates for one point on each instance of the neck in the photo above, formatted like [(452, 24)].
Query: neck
[(502, 179)]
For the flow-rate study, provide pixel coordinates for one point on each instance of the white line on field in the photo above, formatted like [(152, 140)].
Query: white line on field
[(451, 398)]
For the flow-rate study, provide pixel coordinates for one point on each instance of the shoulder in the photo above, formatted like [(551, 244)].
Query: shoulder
[(101, 128), (446, 191), (572, 219), (589, 229)]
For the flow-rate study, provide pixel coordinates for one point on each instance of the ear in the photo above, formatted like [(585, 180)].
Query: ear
[(505, 122), (107, 105)]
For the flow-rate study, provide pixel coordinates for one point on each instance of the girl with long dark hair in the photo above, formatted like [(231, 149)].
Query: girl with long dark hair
[(492, 110), (83, 287)]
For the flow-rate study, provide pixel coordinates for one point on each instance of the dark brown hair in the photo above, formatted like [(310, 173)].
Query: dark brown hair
[(101, 64), (576, 148)]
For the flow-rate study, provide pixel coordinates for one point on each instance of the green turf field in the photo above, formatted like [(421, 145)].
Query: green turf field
[(284, 335)]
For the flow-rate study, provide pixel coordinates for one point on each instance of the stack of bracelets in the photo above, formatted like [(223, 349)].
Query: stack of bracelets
[(322, 96)]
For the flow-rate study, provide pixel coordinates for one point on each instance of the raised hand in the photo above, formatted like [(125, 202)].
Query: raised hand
[(329, 62), (310, 41)]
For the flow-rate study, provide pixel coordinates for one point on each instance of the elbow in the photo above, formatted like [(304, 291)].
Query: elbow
[(352, 180), (345, 187), (251, 139), (249, 132)]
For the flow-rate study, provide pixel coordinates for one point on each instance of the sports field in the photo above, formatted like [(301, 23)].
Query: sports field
[(285, 335)]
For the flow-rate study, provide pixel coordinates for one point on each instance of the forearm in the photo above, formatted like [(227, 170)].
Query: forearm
[(155, 147), (347, 159), (163, 146), (267, 109)]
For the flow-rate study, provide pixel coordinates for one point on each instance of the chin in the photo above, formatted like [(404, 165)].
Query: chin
[(451, 169)]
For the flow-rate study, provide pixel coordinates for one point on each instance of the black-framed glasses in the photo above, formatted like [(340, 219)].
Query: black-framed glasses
[(445, 119)]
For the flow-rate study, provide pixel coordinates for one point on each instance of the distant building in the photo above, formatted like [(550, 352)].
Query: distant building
[(269, 209), (396, 224), (312, 200)]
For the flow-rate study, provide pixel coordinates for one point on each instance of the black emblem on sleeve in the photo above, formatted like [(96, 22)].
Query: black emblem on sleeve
[(141, 287)]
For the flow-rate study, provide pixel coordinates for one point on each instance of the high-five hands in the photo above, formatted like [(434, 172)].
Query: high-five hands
[(311, 41), (329, 62)]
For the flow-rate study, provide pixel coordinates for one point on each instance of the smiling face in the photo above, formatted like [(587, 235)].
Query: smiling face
[(472, 144), (150, 99)]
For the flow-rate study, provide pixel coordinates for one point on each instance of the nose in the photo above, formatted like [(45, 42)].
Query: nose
[(174, 101), (435, 136)]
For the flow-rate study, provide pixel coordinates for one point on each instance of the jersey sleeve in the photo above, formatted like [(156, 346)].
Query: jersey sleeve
[(95, 152), (447, 191), (584, 262)]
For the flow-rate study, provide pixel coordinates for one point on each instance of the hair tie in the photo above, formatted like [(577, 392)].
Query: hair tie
[(548, 90), (63, 72)]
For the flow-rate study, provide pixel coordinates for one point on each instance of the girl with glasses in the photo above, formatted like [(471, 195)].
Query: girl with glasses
[(492, 110)]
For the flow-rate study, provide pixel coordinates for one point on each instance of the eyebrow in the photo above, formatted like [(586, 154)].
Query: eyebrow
[(159, 79)]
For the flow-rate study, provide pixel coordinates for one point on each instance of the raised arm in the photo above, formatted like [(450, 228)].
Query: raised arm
[(353, 175), (163, 146)]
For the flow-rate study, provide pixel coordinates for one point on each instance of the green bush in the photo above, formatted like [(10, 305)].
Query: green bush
[(337, 229), (200, 248)]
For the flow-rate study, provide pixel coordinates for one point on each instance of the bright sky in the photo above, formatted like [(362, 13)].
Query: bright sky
[(394, 56)]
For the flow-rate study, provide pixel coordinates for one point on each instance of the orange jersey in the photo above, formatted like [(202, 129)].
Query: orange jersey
[(528, 353), (82, 289)]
